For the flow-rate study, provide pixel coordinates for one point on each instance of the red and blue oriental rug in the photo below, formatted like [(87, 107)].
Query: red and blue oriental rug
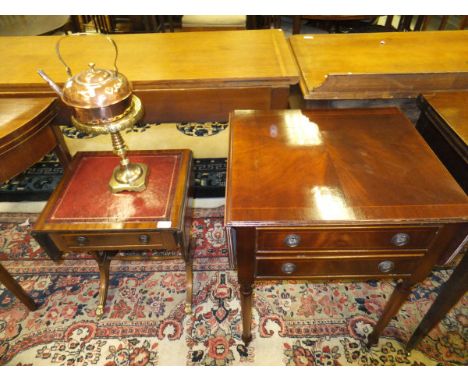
[(145, 324)]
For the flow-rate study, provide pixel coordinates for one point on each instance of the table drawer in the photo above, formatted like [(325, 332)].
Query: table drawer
[(114, 241), (402, 237), (389, 266)]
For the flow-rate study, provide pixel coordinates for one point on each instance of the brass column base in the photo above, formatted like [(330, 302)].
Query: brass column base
[(118, 184)]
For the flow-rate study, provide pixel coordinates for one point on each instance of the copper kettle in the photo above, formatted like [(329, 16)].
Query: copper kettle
[(96, 95)]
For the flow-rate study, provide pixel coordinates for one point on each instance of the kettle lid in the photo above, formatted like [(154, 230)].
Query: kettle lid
[(96, 88)]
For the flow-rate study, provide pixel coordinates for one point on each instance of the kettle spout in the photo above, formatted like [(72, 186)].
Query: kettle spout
[(51, 83)]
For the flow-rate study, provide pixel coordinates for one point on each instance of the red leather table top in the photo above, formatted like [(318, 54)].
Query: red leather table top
[(87, 197)]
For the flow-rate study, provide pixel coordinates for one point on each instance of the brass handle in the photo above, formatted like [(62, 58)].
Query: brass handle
[(288, 268), (386, 266), (400, 239), (68, 70), (144, 239), (81, 240), (292, 240)]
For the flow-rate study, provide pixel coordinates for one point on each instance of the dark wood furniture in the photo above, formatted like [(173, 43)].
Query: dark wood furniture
[(380, 65), (451, 292), (196, 76), (337, 194), (11, 284), (330, 22), (444, 124), (27, 134), (83, 215)]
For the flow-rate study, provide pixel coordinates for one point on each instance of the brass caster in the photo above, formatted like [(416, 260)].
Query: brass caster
[(247, 340), (188, 308), (99, 312)]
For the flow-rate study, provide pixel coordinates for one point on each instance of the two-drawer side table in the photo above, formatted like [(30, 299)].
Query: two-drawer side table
[(337, 194), (82, 214)]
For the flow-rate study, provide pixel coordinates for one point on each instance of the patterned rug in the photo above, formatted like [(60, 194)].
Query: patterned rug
[(145, 324)]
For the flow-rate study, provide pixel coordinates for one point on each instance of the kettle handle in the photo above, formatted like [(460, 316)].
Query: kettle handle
[(57, 49)]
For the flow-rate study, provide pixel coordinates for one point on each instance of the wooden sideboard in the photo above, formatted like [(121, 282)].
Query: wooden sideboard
[(193, 76), (337, 194), (380, 65)]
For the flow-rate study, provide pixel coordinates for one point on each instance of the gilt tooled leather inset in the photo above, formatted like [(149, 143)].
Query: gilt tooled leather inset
[(87, 196)]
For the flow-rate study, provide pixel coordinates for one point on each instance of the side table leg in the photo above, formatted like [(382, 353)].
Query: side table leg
[(398, 297), (103, 259), (450, 293), (189, 285), (11, 284), (246, 309)]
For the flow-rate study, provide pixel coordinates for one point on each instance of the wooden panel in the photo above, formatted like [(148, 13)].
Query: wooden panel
[(452, 108), (335, 268), (159, 60), (201, 105), (345, 238), (388, 85), (380, 65)]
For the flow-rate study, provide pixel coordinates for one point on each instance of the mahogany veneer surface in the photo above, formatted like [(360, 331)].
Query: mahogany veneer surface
[(353, 166)]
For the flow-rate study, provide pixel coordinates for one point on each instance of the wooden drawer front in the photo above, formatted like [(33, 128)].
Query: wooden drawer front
[(114, 241), (389, 266), (338, 239)]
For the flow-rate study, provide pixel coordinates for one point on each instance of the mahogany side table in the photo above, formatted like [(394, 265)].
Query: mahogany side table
[(83, 215), (337, 194)]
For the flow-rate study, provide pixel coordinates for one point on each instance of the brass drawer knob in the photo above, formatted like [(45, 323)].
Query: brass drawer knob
[(400, 239), (144, 239), (82, 240), (386, 266), (288, 268), (292, 240)]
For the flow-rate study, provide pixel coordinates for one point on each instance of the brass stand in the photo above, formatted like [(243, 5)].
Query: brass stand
[(127, 176)]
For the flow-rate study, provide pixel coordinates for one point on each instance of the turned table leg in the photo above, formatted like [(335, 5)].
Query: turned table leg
[(398, 297), (246, 298), (189, 285), (451, 292), (103, 259), (244, 240), (10, 283)]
